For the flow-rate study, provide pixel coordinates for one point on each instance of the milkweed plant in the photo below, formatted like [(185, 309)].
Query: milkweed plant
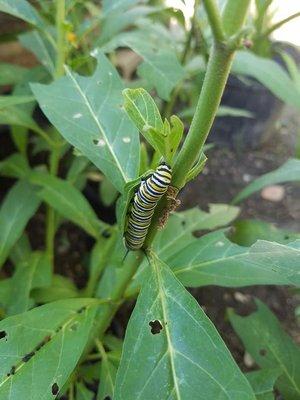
[(56, 340)]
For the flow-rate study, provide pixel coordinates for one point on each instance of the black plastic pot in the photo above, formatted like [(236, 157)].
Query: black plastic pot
[(243, 132), (248, 94)]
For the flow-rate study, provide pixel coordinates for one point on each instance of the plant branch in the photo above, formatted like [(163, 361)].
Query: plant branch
[(279, 24), (215, 20), (60, 37)]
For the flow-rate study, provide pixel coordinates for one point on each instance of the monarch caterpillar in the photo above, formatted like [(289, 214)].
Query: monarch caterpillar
[(145, 200)]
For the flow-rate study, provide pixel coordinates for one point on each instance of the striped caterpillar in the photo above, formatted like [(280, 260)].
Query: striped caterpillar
[(145, 200)]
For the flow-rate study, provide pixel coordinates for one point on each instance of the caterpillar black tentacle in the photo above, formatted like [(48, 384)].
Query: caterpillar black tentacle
[(144, 202)]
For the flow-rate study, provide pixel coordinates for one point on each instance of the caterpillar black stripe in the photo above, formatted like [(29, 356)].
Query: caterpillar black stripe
[(145, 200)]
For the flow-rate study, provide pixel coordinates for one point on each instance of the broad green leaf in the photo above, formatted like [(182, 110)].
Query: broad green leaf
[(41, 48), (120, 19), (247, 232), (117, 5), (60, 288), (19, 133), (22, 9), (160, 67), (33, 273), (11, 74), (108, 374), (108, 192), (214, 260), (263, 382), (21, 250), (82, 393), (269, 73), (93, 120), (288, 172), (68, 201), (6, 101), (18, 207), (16, 116), (41, 348), (172, 350), (270, 347), (142, 109), (184, 224), (15, 166)]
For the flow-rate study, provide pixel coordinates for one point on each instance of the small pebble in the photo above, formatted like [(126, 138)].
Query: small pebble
[(273, 193)]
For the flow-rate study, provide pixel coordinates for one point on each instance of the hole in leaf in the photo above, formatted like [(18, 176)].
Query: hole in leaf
[(106, 234), (262, 352), (286, 237), (183, 223), (28, 356), (95, 141), (107, 398), (3, 334), (156, 327), (81, 310), (74, 327), (55, 389)]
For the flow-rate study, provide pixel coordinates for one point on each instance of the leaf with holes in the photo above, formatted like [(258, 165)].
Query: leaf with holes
[(40, 348), (93, 120), (172, 350), (288, 172), (270, 347), (14, 215), (214, 260), (68, 201)]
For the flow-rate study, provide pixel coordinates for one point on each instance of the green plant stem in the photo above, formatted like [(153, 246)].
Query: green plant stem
[(60, 35), (50, 213), (234, 15), (215, 20), (215, 79), (107, 312), (279, 24)]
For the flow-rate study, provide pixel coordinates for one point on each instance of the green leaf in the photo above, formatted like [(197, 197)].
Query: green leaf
[(214, 260), (117, 5), (172, 349), (21, 250), (11, 74), (42, 347), (247, 232), (61, 288), (93, 120), (18, 207), (270, 347), (15, 166), (17, 117), (82, 393), (142, 109), (6, 101), (35, 272), (269, 73), (108, 374), (160, 67), (185, 223), (22, 9), (288, 172), (108, 192), (262, 383), (68, 201), (41, 48)]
